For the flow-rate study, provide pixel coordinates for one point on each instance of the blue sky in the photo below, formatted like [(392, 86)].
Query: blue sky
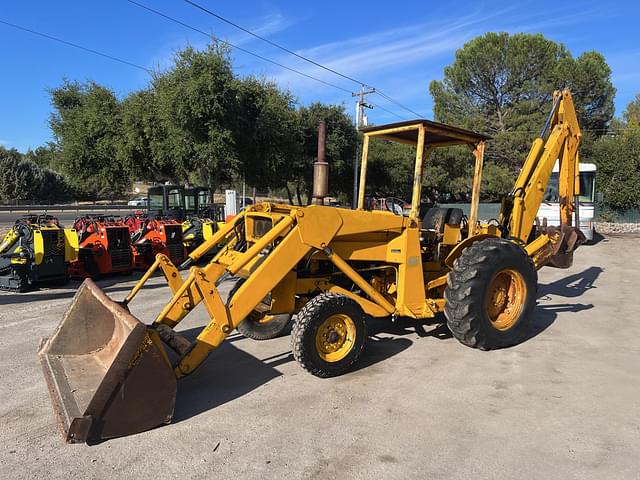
[(399, 52)]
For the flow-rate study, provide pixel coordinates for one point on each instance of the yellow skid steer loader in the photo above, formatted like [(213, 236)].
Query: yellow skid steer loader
[(331, 269)]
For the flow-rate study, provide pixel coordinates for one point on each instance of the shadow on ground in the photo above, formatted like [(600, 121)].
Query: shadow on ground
[(109, 284), (212, 384), (571, 286)]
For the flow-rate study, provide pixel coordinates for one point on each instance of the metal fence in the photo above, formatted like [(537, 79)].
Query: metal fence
[(486, 211), (97, 208)]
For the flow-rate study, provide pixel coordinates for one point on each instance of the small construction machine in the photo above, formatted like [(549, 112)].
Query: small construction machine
[(36, 250), (104, 247), (166, 201), (151, 236), (333, 269), (202, 217)]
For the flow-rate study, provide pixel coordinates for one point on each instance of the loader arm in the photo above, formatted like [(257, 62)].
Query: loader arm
[(559, 140)]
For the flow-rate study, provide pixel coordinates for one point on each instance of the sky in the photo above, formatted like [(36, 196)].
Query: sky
[(398, 51)]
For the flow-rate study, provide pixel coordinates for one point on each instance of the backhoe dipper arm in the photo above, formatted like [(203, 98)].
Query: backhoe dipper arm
[(559, 139)]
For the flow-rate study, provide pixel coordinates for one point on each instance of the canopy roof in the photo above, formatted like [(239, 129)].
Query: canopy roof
[(436, 134)]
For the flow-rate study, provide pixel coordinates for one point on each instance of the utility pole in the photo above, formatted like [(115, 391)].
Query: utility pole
[(360, 106)]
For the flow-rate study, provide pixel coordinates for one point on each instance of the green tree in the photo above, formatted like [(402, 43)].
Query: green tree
[(390, 169), (631, 115), (9, 159), (618, 161), (617, 157), (45, 156), (502, 84), (86, 125), (145, 145), (342, 140), (23, 180), (193, 103), (265, 132)]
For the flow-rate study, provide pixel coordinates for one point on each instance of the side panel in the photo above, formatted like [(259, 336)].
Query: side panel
[(71, 247)]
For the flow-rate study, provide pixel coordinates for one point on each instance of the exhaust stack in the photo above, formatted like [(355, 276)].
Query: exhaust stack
[(321, 168)]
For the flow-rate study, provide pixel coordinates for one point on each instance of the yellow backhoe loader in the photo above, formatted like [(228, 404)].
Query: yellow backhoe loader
[(331, 269)]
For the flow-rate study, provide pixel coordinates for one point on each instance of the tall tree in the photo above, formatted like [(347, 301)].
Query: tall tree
[(22, 179), (193, 101), (342, 139), (265, 132), (86, 125), (631, 115), (501, 84), (617, 157)]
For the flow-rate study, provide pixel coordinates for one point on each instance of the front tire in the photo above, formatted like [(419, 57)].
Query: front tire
[(328, 335), (490, 294)]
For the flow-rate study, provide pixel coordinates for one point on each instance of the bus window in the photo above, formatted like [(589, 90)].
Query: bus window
[(587, 180)]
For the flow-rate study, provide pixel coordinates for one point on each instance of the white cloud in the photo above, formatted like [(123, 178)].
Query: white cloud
[(379, 51), (265, 27)]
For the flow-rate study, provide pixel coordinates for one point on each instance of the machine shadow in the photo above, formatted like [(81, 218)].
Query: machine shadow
[(211, 385), (110, 284), (571, 286), (597, 238)]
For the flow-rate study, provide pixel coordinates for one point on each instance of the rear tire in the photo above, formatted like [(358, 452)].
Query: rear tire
[(328, 335), (254, 326), (491, 294), (259, 326)]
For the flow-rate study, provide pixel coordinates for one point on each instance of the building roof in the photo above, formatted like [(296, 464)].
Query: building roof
[(436, 134)]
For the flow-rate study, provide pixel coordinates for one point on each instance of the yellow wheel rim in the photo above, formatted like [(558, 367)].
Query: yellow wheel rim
[(505, 298), (335, 337)]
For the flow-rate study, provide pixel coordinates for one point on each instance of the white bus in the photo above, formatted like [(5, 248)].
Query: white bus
[(550, 206)]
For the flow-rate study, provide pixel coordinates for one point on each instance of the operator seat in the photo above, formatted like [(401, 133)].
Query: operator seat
[(436, 218)]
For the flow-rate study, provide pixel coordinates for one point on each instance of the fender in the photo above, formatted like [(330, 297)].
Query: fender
[(457, 250)]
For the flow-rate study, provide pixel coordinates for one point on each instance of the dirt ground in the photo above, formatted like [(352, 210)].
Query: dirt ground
[(562, 405)]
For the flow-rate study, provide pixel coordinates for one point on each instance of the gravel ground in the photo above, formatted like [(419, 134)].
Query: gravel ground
[(616, 228), (562, 405)]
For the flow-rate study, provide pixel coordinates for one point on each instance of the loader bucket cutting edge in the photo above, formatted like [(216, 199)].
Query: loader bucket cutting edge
[(107, 373)]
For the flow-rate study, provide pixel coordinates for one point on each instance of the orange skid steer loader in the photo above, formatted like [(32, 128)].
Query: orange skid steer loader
[(329, 268)]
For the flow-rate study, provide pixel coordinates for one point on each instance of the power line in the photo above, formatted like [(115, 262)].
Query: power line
[(75, 45), (384, 95), (302, 57), (388, 111), (244, 50), (274, 44), (149, 71)]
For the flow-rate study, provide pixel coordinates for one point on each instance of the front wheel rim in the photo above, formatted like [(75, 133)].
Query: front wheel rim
[(335, 337), (505, 299)]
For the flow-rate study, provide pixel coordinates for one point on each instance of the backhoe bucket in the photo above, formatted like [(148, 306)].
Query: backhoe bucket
[(570, 239), (108, 374)]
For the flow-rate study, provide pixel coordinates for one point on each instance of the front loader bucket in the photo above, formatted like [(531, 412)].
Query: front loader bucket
[(108, 374)]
